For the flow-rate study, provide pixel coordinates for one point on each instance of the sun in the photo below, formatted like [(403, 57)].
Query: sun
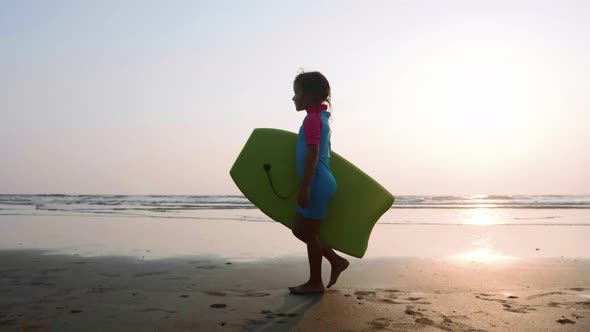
[(478, 99)]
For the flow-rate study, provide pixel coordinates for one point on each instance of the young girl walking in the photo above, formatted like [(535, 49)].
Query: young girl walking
[(318, 186)]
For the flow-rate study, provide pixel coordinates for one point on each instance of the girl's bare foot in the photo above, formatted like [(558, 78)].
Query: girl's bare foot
[(337, 268), (307, 288)]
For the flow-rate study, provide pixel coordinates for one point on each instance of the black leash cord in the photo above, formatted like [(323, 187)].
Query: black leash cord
[(267, 170)]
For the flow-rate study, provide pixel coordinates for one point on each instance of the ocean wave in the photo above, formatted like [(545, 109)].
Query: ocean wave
[(187, 203), (495, 197)]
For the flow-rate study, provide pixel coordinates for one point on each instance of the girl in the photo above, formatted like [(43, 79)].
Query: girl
[(318, 185)]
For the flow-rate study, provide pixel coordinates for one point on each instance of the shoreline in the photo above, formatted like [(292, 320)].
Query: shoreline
[(154, 238)]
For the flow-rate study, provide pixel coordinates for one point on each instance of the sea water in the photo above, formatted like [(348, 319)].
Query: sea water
[(407, 209)]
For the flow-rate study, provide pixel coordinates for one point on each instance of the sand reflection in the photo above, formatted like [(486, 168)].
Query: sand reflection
[(481, 216), (482, 255)]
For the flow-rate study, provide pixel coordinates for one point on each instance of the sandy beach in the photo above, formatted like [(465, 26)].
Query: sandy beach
[(73, 293), (135, 281)]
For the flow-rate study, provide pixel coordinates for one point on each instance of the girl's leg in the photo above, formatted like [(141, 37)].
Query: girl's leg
[(330, 254), (308, 231), (327, 251), (338, 263), (314, 255)]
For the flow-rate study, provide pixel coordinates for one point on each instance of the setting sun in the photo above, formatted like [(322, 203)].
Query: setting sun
[(483, 99)]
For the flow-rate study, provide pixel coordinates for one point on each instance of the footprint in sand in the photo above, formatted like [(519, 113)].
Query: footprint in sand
[(237, 293), (481, 297), (424, 317), (364, 293), (425, 321), (543, 295), (446, 319), (291, 314), (518, 308), (390, 297), (109, 275), (254, 322), (388, 324), (391, 290), (155, 309), (215, 293), (254, 294), (565, 321), (410, 311), (414, 299), (584, 305), (53, 270), (207, 267), (146, 274), (270, 314), (508, 305)]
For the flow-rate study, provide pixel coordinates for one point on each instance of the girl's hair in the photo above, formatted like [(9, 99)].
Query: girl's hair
[(316, 85)]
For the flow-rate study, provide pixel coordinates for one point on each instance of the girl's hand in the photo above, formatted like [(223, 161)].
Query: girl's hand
[(304, 196)]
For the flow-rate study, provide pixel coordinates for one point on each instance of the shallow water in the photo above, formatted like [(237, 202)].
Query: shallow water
[(476, 209)]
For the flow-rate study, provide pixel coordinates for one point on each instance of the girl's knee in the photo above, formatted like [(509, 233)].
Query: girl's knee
[(305, 235), (311, 237), (298, 234), (306, 229)]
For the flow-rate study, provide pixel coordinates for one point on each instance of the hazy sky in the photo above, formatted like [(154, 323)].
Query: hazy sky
[(430, 97)]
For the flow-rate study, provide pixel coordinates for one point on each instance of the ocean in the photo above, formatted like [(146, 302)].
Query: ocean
[(408, 209)]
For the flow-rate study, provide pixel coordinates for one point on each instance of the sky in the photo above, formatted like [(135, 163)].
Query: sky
[(159, 97)]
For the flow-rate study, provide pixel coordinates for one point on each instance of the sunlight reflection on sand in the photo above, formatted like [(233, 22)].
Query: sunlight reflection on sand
[(482, 255), (481, 216)]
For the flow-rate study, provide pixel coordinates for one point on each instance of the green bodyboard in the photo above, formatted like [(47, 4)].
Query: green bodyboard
[(353, 211)]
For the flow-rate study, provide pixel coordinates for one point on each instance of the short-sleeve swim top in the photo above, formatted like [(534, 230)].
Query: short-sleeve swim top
[(315, 130)]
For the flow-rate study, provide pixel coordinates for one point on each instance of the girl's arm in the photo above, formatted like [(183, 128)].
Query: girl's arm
[(311, 160)]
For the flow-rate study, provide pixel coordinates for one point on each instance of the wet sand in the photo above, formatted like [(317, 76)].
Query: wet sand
[(154, 238), (42, 292)]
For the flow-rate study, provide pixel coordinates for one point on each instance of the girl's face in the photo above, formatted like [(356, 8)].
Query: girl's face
[(301, 100)]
